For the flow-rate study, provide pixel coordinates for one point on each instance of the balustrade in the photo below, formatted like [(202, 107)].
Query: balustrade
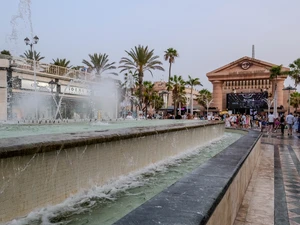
[(247, 84), (28, 64)]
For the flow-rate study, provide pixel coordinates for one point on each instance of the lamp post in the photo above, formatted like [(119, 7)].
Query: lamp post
[(187, 104), (55, 84), (27, 42), (269, 102), (289, 88), (52, 85), (207, 105), (165, 96)]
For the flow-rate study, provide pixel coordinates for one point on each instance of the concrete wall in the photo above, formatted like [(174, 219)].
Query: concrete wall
[(226, 211), (36, 176), (211, 194)]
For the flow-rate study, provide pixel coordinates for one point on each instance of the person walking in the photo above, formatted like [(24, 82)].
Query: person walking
[(295, 126), (243, 120), (282, 123), (271, 119), (298, 130), (290, 121)]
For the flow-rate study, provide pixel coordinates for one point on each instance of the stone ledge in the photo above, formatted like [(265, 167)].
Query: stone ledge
[(194, 198), (19, 146)]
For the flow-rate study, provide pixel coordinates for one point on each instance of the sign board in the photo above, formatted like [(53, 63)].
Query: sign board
[(44, 87)]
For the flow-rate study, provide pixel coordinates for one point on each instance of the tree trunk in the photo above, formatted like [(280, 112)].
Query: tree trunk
[(140, 89), (169, 83), (131, 100), (175, 108), (169, 73), (275, 99), (179, 106), (192, 102), (146, 110)]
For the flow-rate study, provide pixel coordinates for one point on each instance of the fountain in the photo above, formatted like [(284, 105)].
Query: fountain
[(56, 166), (72, 98), (47, 167), (106, 204)]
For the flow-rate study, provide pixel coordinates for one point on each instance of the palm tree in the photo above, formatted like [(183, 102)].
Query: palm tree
[(32, 55), (77, 67), (100, 63), (275, 72), (5, 52), (295, 71), (130, 81), (148, 94), (157, 101), (193, 82), (61, 67), (170, 55), (140, 59), (204, 98), (61, 62), (177, 85), (295, 100)]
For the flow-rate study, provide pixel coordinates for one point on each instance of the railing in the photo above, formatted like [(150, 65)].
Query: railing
[(28, 64)]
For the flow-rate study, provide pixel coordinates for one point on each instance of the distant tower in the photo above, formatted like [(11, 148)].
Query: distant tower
[(253, 52)]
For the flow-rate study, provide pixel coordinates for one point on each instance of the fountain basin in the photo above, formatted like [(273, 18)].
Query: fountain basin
[(46, 169)]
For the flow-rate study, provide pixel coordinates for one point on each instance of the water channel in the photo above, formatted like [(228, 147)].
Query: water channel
[(107, 204), (21, 130)]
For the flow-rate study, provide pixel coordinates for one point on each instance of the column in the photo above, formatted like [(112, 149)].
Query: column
[(217, 94), (280, 86), (3, 95)]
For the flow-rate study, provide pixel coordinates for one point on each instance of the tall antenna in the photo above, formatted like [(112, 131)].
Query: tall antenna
[(253, 52)]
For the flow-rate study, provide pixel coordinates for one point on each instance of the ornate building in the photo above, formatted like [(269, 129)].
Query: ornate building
[(46, 91), (245, 84)]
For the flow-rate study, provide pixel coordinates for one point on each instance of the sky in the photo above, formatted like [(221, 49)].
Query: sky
[(206, 34)]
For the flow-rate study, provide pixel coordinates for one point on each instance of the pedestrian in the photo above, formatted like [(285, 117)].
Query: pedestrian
[(282, 123), (276, 124), (290, 121), (295, 126), (298, 124), (263, 125), (271, 119)]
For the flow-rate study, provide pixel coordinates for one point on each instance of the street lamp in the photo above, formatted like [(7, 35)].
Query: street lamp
[(164, 94), (55, 84), (208, 102), (187, 104), (35, 41), (289, 88), (27, 42), (52, 85), (269, 103)]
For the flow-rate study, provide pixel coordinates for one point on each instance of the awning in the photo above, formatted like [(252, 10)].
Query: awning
[(223, 112)]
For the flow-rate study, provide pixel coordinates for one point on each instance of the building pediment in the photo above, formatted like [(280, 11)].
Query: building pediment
[(241, 68)]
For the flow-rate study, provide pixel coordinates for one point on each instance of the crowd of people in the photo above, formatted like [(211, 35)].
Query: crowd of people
[(265, 122)]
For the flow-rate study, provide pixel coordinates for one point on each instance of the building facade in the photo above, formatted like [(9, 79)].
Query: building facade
[(161, 88), (52, 92), (246, 84)]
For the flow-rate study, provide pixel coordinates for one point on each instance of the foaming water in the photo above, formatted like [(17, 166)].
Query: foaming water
[(105, 205), (23, 14)]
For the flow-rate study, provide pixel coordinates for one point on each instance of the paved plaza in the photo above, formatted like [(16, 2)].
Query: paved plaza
[(273, 195)]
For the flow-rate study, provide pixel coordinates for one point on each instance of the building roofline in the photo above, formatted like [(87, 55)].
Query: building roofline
[(245, 58)]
